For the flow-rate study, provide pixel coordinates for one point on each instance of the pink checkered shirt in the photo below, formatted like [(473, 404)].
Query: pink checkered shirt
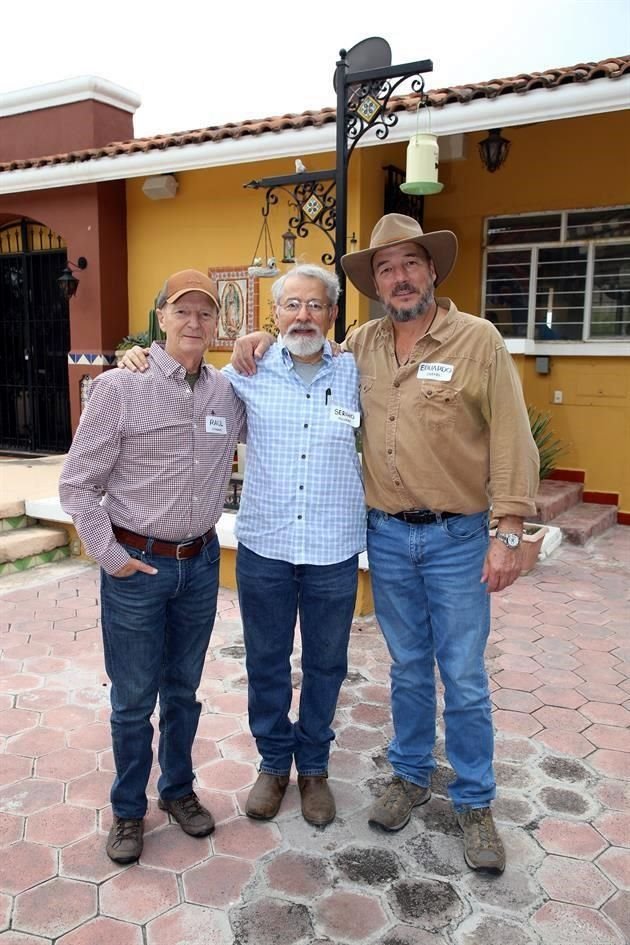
[(151, 455)]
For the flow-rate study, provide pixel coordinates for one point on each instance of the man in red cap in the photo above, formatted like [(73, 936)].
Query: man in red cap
[(445, 437), (145, 481)]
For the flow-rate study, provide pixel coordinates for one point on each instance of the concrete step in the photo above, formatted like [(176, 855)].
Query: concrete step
[(29, 542), (12, 508), (554, 497), (584, 521)]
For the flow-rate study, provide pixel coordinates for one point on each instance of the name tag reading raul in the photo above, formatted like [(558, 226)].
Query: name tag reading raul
[(341, 415), (216, 425), (435, 372)]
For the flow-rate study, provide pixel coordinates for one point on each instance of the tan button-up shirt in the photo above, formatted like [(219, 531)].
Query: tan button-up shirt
[(448, 430)]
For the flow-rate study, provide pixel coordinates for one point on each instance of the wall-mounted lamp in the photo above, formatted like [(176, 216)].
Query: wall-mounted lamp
[(160, 187), (494, 150), (288, 247), (67, 282)]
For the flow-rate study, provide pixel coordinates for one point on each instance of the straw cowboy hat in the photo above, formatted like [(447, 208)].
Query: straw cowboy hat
[(390, 230)]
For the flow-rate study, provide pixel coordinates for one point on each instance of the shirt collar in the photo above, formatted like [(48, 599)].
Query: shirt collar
[(168, 365), (288, 360)]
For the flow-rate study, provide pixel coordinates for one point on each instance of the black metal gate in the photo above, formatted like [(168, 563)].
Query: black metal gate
[(34, 341)]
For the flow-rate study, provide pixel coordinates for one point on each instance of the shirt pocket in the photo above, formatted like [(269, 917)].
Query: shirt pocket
[(437, 405)]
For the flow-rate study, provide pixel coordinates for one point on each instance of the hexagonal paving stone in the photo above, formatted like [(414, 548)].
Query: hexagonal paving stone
[(91, 790), (615, 863), (13, 721), (28, 865), (515, 723), (60, 825), (560, 718), (190, 925), (605, 713), (575, 881), (246, 838), (569, 839), (68, 717), (36, 742), (170, 848), (516, 700), (570, 743), (94, 737), (11, 829), (218, 882), (612, 764), (560, 696), (65, 764), (216, 727), (618, 910), (614, 794), (88, 860), (615, 827), (226, 775), (561, 922), (491, 930), (29, 795), (139, 894), (103, 931), (54, 907), (609, 736), (349, 917), (426, 903)]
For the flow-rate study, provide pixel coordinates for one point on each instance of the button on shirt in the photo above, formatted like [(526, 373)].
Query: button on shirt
[(302, 498), (448, 430), (151, 455)]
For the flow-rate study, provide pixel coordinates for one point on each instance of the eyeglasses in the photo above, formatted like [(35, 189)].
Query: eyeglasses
[(293, 306)]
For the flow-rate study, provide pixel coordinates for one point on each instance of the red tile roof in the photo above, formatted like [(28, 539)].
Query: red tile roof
[(613, 68)]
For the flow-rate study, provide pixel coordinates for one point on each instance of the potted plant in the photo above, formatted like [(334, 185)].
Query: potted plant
[(142, 338)]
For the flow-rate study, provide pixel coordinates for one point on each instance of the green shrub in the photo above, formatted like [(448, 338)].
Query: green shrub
[(549, 448)]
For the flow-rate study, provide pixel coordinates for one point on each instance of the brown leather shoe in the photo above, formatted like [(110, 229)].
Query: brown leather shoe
[(194, 819), (266, 796), (124, 842), (318, 804)]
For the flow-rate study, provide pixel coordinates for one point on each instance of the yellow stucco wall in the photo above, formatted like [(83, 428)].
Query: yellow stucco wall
[(582, 162)]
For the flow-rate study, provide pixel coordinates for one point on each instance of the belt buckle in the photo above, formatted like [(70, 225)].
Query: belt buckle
[(183, 544)]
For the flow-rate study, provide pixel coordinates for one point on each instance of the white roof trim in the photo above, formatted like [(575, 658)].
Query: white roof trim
[(67, 91), (569, 101)]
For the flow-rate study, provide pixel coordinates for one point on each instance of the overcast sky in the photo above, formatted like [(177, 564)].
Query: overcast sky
[(195, 65)]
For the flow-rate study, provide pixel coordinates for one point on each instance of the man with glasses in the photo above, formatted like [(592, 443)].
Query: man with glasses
[(300, 528)]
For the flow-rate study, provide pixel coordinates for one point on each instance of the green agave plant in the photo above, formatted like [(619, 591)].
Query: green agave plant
[(549, 448), (144, 338)]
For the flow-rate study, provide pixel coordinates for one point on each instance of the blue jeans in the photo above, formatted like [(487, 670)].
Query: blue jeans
[(156, 630), (431, 606), (271, 593)]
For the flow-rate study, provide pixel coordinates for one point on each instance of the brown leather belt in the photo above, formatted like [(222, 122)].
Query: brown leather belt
[(422, 516), (164, 549)]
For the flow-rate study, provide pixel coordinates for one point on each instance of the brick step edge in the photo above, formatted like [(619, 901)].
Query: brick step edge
[(555, 497), (34, 561), (26, 542), (584, 521)]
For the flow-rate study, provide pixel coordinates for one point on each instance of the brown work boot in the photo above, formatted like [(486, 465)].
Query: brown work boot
[(124, 842), (266, 796), (483, 849), (190, 814), (318, 804), (392, 810)]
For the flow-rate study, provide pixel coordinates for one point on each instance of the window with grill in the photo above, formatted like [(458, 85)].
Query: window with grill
[(559, 276)]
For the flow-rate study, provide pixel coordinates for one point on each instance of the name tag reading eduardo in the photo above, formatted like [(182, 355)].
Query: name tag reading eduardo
[(351, 417), (216, 425), (435, 372)]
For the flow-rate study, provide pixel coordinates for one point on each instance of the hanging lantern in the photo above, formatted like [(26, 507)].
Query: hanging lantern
[(494, 150), (288, 247), (423, 155)]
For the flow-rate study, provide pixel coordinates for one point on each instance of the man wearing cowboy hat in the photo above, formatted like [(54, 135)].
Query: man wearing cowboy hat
[(445, 436)]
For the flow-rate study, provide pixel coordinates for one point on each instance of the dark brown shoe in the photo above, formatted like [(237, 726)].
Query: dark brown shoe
[(124, 842), (483, 849), (266, 796), (392, 811), (194, 819), (318, 804)]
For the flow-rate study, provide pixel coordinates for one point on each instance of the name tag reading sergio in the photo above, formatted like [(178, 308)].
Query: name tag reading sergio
[(435, 372), (351, 417), (216, 425)]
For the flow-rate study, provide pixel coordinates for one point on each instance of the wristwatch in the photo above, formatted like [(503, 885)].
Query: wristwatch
[(509, 539)]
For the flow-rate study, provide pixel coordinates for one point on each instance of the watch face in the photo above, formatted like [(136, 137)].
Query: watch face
[(513, 541)]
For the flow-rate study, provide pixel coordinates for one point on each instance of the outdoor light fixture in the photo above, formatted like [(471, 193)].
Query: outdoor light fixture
[(67, 282), (288, 247), (364, 81), (264, 267), (494, 150), (160, 187), (423, 156)]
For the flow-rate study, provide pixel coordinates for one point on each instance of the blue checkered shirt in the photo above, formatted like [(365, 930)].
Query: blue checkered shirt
[(302, 499)]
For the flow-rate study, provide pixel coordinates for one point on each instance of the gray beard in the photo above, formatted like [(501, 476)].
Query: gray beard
[(421, 307), (303, 347)]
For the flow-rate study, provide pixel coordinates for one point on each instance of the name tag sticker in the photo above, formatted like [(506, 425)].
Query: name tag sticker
[(216, 425), (435, 372), (341, 415)]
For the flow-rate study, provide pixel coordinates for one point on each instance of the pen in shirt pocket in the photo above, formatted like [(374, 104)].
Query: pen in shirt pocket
[(328, 394)]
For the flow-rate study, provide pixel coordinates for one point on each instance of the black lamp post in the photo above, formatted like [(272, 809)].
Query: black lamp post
[(364, 81), (67, 282)]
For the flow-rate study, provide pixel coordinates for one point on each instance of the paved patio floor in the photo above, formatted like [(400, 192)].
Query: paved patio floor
[(559, 659)]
